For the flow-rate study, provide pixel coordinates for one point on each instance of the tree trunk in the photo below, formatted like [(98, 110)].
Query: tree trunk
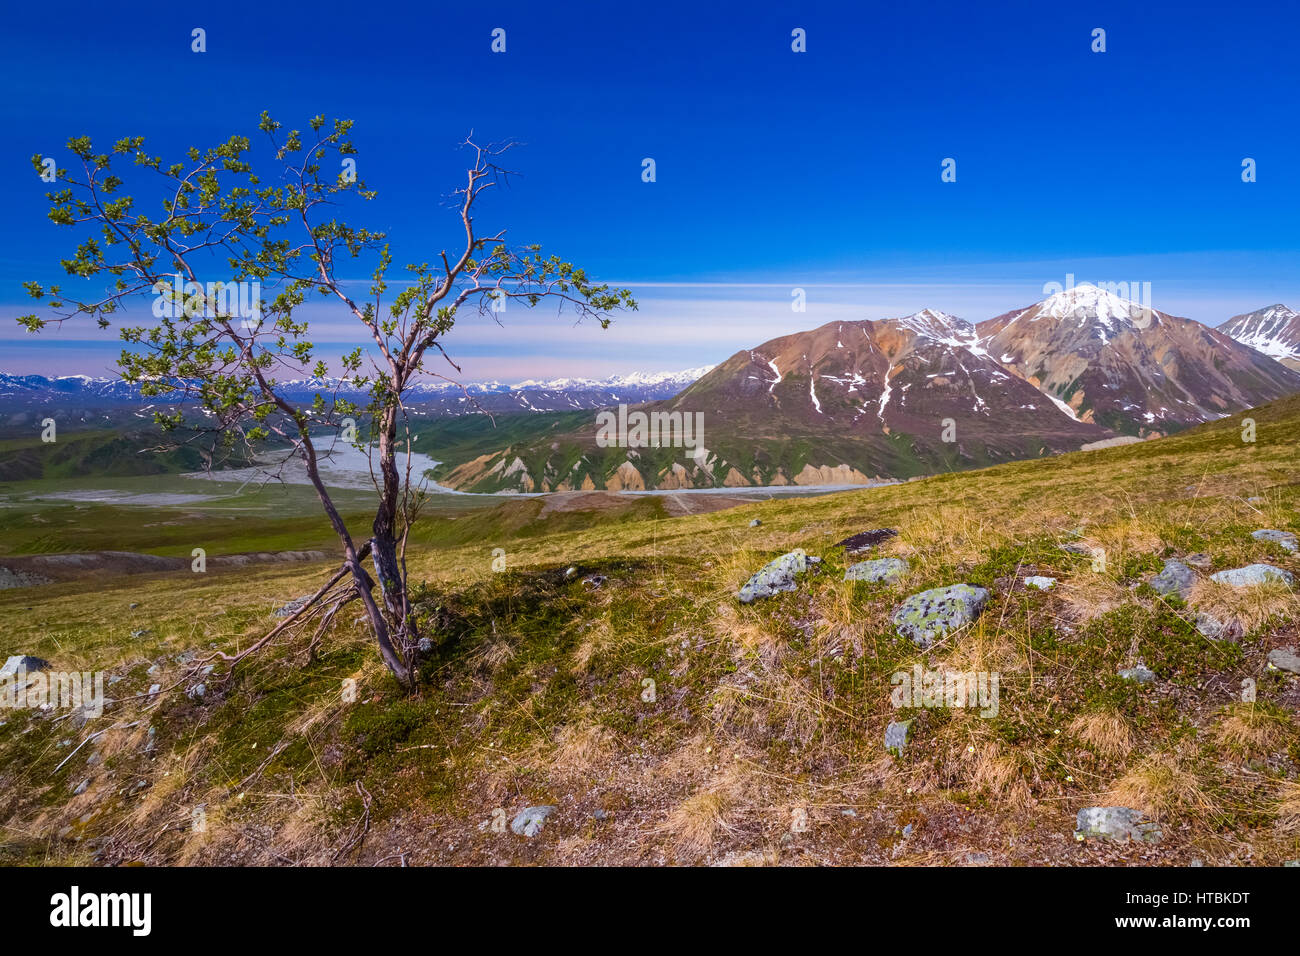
[(383, 546)]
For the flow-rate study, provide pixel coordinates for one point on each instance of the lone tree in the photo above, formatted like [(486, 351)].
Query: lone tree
[(221, 230)]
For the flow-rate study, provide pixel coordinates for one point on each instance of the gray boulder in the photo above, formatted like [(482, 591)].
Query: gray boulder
[(933, 613), (1175, 578), (1121, 824), (879, 571), (1285, 658), (1283, 539), (1254, 574), (776, 576), (529, 821)]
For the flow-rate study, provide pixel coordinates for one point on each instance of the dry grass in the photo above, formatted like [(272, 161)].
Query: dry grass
[(1250, 730), (1159, 785), (1250, 607), (1106, 733), (1089, 595), (1288, 808)]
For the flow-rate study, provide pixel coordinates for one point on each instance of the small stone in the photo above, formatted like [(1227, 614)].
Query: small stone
[(1074, 547), (1285, 659), (81, 787), (196, 692), (1176, 578), (896, 735), (1254, 574), (141, 632), (755, 523), (594, 581), (425, 645), (879, 571), (1142, 674), (132, 607), (528, 823), (600, 815), (1041, 582), (154, 688), (1283, 539), (977, 859), (1198, 560), (1121, 824), (569, 573)]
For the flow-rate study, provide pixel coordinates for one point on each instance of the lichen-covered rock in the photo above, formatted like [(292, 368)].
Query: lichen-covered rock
[(896, 735), (1175, 578), (1285, 658), (879, 571), (1121, 824), (931, 614), (776, 576), (1254, 574), (1283, 539), (1041, 582), (529, 821)]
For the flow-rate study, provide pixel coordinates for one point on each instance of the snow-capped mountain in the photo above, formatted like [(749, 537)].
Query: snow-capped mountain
[(1274, 330), (1131, 368)]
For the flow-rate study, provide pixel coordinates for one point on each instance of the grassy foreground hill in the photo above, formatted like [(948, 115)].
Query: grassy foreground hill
[(762, 741)]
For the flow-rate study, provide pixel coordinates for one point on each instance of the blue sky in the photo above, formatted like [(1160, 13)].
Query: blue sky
[(775, 170)]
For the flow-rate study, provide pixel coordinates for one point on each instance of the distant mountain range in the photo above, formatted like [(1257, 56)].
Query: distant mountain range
[(853, 402), (95, 402), (849, 402)]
